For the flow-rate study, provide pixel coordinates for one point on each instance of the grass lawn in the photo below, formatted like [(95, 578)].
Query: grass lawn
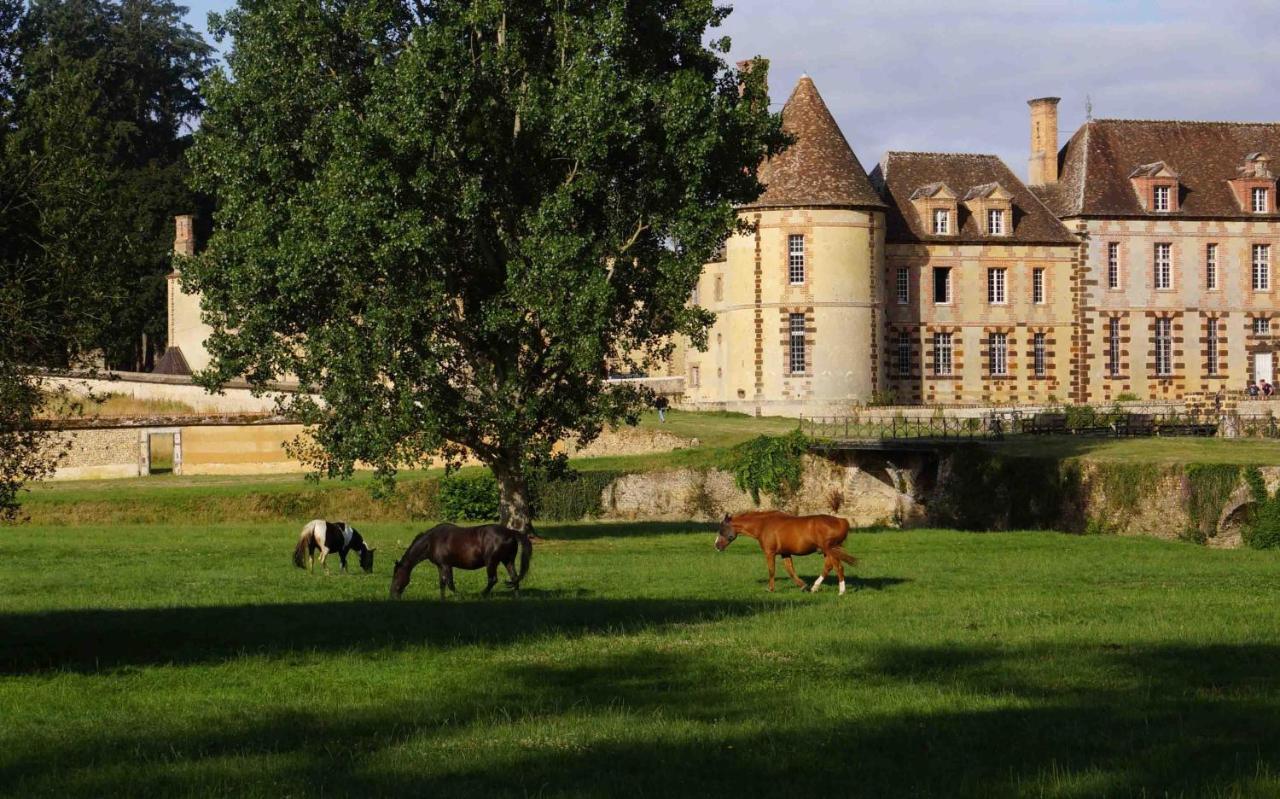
[(1170, 450), (158, 661)]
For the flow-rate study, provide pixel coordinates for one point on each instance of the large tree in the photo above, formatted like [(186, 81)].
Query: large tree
[(444, 218), (110, 85)]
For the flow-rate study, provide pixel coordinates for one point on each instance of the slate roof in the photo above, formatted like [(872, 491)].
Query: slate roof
[(819, 169), (173, 362), (901, 175), (1096, 163)]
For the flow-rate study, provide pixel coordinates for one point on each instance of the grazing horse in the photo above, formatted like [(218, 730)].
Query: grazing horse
[(447, 546), (325, 537), (786, 535)]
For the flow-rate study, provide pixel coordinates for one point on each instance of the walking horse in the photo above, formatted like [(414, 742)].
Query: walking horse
[(449, 546), (786, 535), (324, 537)]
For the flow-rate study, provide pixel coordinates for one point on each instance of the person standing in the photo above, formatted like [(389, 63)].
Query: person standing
[(661, 404)]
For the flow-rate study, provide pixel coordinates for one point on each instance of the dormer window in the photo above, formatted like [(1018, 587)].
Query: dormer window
[(1254, 184), (992, 207), (1160, 199), (995, 222), (941, 222), (1156, 186)]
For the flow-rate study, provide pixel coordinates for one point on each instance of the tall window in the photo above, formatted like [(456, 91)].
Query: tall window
[(1164, 266), (1162, 198), (999, 354), (904, 286), (995, 286), (1038, 358), (1211, 267), (1260, 201), (904, 352), (942, 284), (1037, 285), (1164, 346), (796, 350), (942, 354), (795, 258), (1211, 347), (1262, 267), (941, 221), (695, 376), (1261, 326), (995, 222), (1113, 346), (1113, 265), (719, 287)]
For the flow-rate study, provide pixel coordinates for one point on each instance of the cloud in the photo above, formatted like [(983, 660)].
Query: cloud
[(923, 75)]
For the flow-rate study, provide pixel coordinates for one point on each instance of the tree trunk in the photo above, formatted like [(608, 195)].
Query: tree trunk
[(513, 497)]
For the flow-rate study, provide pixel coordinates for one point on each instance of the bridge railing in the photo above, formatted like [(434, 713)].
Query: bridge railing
[(997, 425)]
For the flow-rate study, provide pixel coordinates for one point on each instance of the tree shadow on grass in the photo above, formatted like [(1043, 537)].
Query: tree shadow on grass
[(94, 640), (1033, 720)]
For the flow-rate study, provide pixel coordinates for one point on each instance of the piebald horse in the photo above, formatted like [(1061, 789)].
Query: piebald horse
[(324, 537), (448, 545), (786, 535)]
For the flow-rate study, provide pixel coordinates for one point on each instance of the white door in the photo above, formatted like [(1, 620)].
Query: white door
[(1262, 367)]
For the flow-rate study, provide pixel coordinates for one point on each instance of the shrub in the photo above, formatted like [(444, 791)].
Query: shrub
[(473, 497), (770, 464), (570, 496), (1262, 530)]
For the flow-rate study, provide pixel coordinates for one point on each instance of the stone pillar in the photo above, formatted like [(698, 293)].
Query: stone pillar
[(1043, 168)]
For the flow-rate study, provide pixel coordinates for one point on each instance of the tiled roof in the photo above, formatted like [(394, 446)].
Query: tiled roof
[(819, 168), (173, 362), (901, 175), (1100, 157)]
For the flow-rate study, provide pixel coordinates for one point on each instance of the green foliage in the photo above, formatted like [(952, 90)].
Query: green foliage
[(573, 497), (1206, 491), (769, 464), (471, 498), (1127, 485), (446, 218), (1262, 529)]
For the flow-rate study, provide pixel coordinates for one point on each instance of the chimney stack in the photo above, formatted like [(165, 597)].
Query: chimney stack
[(1043, 169), (184, 239), (747, 66)]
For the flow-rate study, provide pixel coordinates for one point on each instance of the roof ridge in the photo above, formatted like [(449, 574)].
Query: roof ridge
[(939, 153), (1180, 122)]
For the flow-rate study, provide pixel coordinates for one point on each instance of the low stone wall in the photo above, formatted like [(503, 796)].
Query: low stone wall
[(629, 441), (96, 454), (853, 491)]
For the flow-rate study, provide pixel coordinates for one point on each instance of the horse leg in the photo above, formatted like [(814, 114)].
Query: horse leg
[(324, 554), (491, 569), (511, 575), (770, 561), (791, 570), (342, 556), (448, 576), (826, 569), (840, 574), (443, 581)]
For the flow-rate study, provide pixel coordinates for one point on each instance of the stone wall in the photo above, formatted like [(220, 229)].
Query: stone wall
[(96, 454)]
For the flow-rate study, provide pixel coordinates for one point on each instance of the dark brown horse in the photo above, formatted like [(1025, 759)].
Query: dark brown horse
[(449, 546), (786, 535)]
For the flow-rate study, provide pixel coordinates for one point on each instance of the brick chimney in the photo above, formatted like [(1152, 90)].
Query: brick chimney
[(746, 66), (1043, 169), (184, 238)]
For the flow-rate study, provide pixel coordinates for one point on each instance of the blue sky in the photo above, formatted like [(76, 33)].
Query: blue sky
[(955, 76)]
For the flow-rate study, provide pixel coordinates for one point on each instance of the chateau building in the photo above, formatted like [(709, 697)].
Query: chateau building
[(1137, 264)]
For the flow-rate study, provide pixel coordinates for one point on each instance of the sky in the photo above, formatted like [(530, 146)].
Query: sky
[(955, 76)]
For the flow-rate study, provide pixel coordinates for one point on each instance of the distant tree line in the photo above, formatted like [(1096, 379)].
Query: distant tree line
[(98, 99)]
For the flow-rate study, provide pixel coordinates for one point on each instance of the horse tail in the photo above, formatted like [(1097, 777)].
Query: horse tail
[(844, 556), (526, 552), (300, 551)]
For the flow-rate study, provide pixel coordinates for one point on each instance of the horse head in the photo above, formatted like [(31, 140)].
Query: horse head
[(366, 559), (726, 534), (400, 578)]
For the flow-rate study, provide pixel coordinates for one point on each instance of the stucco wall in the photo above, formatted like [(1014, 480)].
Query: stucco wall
[(154, 387), (246, 449)]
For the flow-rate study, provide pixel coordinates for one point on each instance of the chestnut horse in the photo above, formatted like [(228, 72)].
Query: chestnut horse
[(448, 545), (786, 535)]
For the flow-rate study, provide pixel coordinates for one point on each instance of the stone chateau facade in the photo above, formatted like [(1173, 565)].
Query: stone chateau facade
[(1136, 264)]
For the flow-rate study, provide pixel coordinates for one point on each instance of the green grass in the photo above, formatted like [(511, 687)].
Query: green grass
[(178, 660), (1171, 450)]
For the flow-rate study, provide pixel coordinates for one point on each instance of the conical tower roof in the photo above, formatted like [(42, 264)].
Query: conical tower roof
[(819, 168)]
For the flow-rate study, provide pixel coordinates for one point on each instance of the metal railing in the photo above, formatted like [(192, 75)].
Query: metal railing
[(997, 425)]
